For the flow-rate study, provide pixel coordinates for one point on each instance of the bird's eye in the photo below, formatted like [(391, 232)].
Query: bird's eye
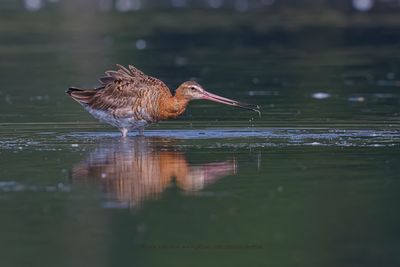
[(192, 88)]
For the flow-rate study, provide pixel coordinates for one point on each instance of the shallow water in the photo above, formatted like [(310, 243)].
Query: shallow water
[(313, 182)]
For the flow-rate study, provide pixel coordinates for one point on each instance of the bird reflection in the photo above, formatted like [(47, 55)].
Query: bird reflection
[(133, 170)]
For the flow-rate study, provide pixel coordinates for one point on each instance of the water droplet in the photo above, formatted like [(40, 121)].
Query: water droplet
[(141, 44)]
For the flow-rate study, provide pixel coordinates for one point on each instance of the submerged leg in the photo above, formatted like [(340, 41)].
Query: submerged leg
[(124, 132), (141, 131)]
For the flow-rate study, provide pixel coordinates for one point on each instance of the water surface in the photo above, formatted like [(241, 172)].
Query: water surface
[(313, 182)]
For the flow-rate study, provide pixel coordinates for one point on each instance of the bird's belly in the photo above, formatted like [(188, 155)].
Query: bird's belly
[(120, 122)]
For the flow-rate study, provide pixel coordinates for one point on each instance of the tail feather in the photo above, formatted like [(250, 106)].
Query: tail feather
[(83, 96)]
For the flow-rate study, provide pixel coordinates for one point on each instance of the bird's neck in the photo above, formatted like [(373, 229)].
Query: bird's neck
[(172, 106)]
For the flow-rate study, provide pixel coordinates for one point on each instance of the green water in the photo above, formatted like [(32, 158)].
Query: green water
[(313, 182)]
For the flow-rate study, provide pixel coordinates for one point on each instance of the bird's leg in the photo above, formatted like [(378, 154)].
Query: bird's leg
[(141, 131), (124, 132)]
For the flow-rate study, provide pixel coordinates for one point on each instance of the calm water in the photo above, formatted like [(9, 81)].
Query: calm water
[(313, 182)]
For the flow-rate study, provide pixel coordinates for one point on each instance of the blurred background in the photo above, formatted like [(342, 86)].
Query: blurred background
[(313, 182), (307, 63)]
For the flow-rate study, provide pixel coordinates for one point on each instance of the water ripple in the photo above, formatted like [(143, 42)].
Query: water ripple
[(212, 138)]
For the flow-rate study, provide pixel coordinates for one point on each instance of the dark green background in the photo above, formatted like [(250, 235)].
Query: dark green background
[(317, 179)]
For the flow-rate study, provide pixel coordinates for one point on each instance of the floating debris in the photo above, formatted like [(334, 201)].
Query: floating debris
[(315, 143), (356, 99), (320, 95)]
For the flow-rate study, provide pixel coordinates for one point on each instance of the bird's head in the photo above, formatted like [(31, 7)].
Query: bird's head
[(191, 90)]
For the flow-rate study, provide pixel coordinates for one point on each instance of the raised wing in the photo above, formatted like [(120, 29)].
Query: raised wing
[(127, 89)]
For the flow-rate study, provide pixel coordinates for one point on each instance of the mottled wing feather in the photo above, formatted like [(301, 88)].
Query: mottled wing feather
[(106, 80), (128, 92), (83, 96)]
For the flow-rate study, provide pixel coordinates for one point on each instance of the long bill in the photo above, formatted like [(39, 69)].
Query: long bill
[(230, 102)]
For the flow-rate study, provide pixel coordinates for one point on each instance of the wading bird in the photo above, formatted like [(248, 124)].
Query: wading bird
[(129, 99)]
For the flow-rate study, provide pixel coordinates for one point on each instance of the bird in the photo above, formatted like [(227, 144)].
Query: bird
[(131, 100)]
